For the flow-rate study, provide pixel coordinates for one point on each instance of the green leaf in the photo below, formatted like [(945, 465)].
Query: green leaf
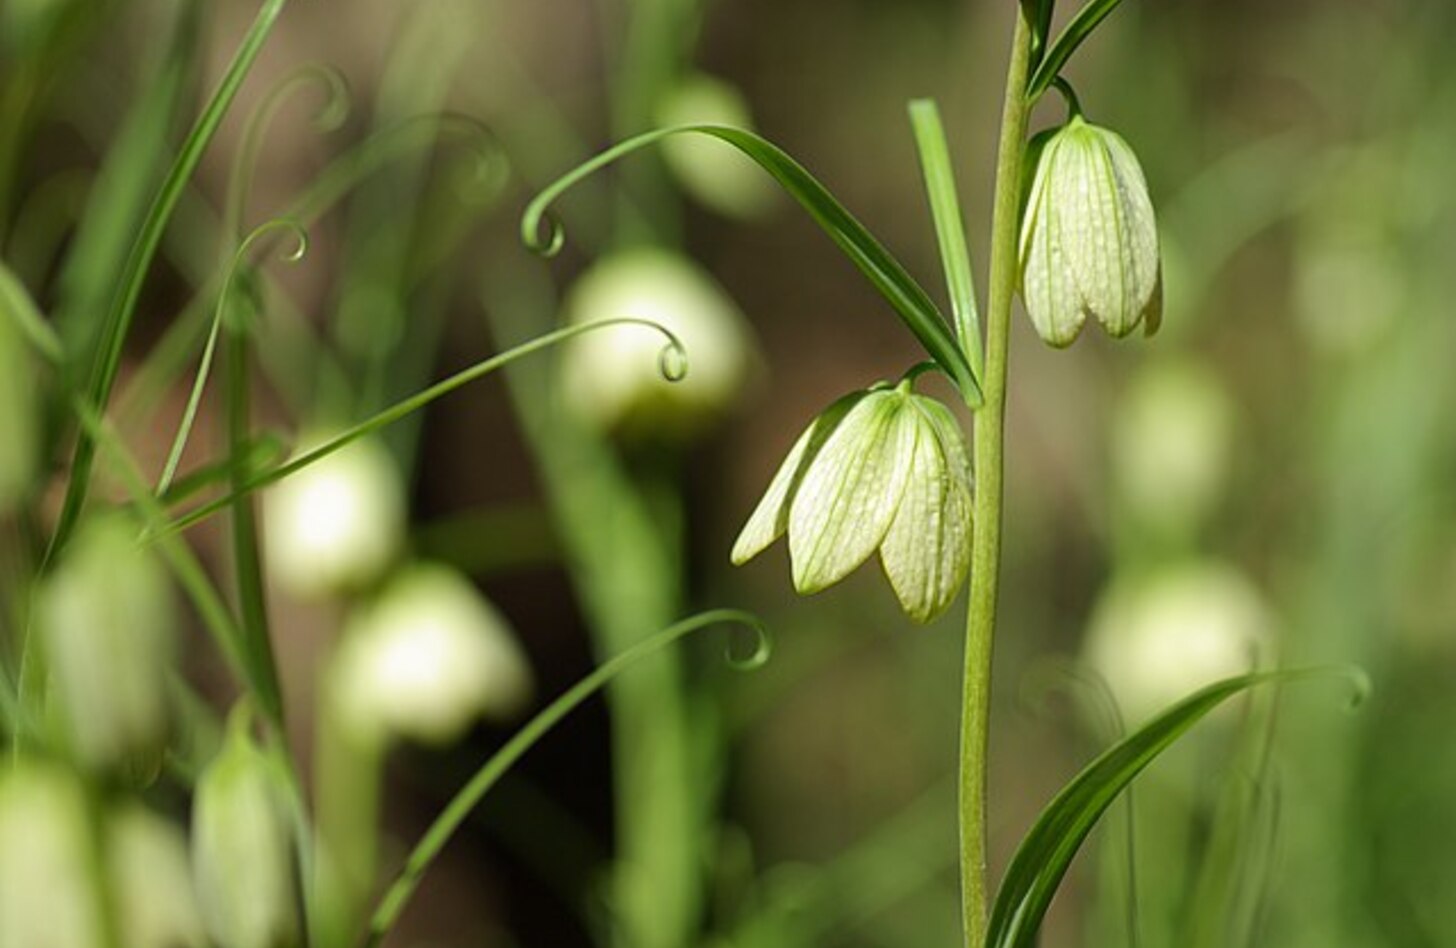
[(849, 497), (770, 518), (1037, 869), (144, 251), (914, 307), (17, 307), (671, 355), (950, 230), (1040, 12), (1081, 27), (392, 903)]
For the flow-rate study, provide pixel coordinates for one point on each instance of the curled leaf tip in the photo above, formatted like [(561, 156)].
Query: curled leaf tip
[(759, 640), (542, 232), (672, 361)]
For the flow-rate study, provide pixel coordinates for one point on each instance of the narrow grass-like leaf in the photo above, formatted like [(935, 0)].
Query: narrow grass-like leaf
[(674, 358), (950, 229), (914, 307), (17, 306), (1037, 869), (459, 808), (144, 250), (204, 367), (1087, 19), (1041, 26)]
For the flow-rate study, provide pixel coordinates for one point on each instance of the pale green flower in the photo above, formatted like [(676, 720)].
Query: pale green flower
[(882, 470), (715, 173), (151, 881), (611, 377), (242, 847), (425, 659), (107, 620), (1089, 239), (335, 526)]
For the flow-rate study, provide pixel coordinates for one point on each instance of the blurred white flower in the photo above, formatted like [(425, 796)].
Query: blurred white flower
[(1157, 638), (427, 658), (1172, 442), (151, 881), (48, 893), (242, 847), (335, 526), (106, 618), (713, 172), (611, 376)]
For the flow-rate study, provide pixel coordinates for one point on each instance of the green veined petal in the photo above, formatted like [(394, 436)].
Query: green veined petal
[(927, 552), (848, 498), (770, 518)]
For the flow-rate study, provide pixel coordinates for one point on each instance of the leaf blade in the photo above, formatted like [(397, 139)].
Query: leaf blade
[(908, 299), (1047, 850)]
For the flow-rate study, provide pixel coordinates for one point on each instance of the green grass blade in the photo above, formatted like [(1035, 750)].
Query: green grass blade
[(909, 301), (455, 813), (1037, 869), (144, 250), (950, 229), (1041, 27), (17, 305), (673, 365), (1087, 19)]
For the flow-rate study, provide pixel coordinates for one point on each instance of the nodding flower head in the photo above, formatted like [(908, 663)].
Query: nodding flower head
[(1089, 240), (884, 470)]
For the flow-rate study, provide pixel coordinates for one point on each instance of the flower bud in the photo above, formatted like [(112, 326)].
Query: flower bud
[(425, 659), (1089, 240), (882, 470), (1157, 638), (336, 525), (151, 881), (611, 375), (242, 847), (713, 172), (107, 624), (19, 416), (48, 892)]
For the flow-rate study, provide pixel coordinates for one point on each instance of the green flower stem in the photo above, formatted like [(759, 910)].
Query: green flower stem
[(988, 448)]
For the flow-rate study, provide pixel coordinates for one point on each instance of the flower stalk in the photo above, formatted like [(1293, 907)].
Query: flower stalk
[(988, 448)]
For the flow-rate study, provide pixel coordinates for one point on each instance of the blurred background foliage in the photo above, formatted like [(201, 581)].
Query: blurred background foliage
[(1271, 476)]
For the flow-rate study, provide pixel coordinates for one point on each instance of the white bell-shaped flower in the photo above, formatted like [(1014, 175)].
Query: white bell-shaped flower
[(337, 525), (611, 376), (1089, 239), (882, 470), (1157, 638), (426, 659)]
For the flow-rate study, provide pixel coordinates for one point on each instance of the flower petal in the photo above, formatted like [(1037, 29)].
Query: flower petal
[(849, 496), (927, 552), (771, 517), (1047, 286)]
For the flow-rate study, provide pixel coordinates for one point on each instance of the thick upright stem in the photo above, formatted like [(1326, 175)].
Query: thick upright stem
[(989, 441)]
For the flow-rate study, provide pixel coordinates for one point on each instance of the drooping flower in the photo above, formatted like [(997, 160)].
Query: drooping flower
[(425, 659), (335, 526), (107, 621), (1089, 238), (610, 377), (885, 470), (242, 846)]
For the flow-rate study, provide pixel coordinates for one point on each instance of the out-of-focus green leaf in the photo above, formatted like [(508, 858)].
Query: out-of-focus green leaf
[(124, 304), (909, 300), (1081, 27), (392, 903), (1037, 869)]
